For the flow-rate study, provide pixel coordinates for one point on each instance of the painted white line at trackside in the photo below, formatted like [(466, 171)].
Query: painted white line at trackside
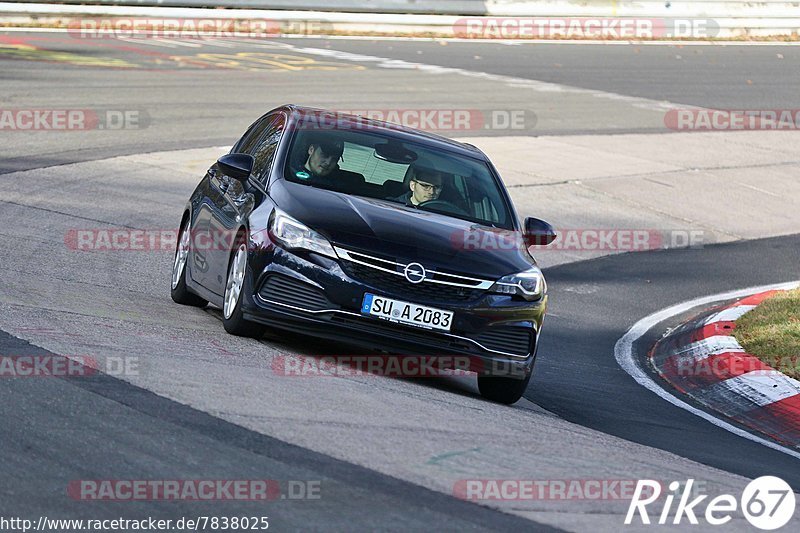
[(510, 81), (730, 314), (710, 346), (623, 352)]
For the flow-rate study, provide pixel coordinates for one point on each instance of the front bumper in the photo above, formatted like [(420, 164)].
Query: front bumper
[(314, 295)]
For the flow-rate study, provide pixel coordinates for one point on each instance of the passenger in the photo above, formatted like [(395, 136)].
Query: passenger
[(425, 186), (322, 162)]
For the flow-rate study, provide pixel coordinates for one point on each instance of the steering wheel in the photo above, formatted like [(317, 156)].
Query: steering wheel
[(444, 205)]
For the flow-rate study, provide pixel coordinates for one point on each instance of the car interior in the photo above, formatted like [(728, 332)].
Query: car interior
[(368, 169)]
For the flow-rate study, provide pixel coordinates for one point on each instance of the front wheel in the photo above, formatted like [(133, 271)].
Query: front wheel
[(179, 292), (502, 389), (233, 318)]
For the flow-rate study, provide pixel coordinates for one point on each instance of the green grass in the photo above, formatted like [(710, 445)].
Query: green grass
[(771, 332)]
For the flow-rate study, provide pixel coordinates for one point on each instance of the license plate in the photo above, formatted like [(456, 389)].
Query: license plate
[(406, 313)]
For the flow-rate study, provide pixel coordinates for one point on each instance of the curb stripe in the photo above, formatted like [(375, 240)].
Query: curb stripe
[(739, 395), (756, 299), (730, 314), (705, 347), (683, 336), (629, 362), (703, 372), (788, 412), (764, 388), (702, 358)]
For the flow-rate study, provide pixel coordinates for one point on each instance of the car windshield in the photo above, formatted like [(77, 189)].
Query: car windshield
[(374, 165)]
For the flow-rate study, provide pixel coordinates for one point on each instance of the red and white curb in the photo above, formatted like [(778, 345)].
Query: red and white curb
[(702, 360)]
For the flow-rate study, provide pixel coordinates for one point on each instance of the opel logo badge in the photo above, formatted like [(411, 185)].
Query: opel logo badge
[(415, 273)]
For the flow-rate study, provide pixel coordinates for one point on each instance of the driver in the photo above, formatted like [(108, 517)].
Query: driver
[(425, 186)]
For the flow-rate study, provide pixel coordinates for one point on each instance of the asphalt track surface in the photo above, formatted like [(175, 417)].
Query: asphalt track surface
[(720, 77), (616, 291), (159, 77), (59, 430), (62, 430)]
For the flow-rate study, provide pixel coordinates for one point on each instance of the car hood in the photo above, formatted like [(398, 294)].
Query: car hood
[(389, 229)]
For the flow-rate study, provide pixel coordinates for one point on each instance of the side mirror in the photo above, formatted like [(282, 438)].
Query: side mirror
[(237, 166), (538, 232)]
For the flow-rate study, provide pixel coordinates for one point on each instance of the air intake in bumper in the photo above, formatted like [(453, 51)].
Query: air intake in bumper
[(290, 291), (516, 340)]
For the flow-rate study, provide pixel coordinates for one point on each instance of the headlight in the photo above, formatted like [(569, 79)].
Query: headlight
[(529, 284), (292, 233)]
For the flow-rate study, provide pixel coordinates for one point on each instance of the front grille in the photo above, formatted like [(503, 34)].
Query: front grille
[(508, 340), (398, 286), (290, 291), (386, 276), (515, 340)]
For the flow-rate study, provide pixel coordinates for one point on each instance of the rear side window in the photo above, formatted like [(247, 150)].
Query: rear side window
[(361, 159)]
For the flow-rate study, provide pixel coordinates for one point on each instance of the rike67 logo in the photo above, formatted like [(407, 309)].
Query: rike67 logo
[(767, 503)]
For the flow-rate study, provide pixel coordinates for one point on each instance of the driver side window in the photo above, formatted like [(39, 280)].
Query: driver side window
[(248, 140), (264, 153)]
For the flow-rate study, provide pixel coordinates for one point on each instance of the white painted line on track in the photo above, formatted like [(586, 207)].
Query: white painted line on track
[(151, 42), (178, 42), (511, 81), (258, 43), (623, 352), (218, 42)]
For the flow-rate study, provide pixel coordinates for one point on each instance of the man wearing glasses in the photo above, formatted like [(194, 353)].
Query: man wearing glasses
[(426, 185)]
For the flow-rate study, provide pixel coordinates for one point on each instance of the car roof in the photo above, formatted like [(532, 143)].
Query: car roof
[(388, 129)]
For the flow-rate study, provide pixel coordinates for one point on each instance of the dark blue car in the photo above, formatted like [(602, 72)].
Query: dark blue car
[(367, 232)]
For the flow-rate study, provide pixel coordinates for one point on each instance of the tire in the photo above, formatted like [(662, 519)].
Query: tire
[(502, 389), (180, 292), (235, 283)]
